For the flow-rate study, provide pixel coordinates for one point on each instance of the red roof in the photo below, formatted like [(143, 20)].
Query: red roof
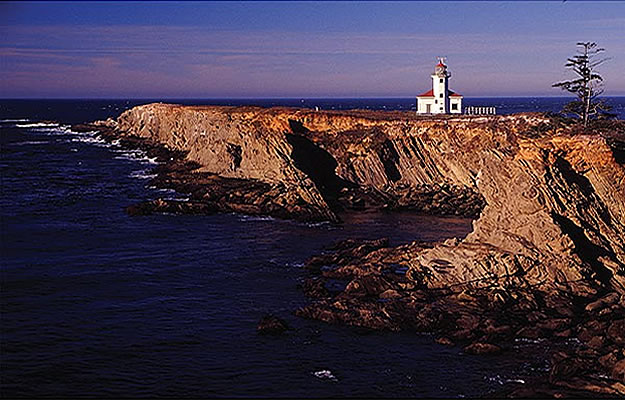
[(440, 64), (430, 93)]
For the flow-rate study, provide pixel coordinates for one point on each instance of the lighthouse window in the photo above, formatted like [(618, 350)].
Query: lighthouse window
[(441, 80), (454, 106), (435, 101), (441, 95)]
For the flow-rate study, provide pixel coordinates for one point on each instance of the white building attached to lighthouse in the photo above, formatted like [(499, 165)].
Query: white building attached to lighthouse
[(439, 100)]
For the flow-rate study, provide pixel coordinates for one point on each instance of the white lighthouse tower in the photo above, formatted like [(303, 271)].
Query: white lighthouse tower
[(439, 100)]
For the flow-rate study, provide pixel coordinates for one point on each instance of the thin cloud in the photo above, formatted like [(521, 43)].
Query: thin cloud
[(195, 60)]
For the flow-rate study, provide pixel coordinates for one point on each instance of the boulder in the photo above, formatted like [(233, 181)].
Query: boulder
[(618, 371), (390, 294), (482, 348), (603, 302), (444, 341), (271, 325), (616, 332)]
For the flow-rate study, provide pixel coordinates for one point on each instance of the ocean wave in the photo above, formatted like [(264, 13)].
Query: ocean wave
[(165, 190), (135, 155), (162, 190), (248, 218), (295, 264), (318, 224), (142, 174), (49, 129), (502, 381), (2, 121), (29, 143), (91, 133), (175, 198), (37, 125), (91, 139)]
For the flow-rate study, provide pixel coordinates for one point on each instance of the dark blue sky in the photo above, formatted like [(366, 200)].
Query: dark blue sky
[(299, 49)]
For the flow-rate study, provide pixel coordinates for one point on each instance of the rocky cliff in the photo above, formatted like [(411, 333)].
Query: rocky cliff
[(547, 243), (554, 211)]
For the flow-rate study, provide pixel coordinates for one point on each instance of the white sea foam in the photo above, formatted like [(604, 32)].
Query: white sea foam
[(2, 121), (180, 199), (135, 155), (325, 374), (90, 137), (37, 125), (255, 218), (502, 381), (85, 132), (170, 191), (529, 341), (318, 224), (574, 341), (142, 174), (49, 130), (295, 264)]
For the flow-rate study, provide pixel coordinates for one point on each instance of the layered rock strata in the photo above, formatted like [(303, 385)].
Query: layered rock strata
[(546, 255), (554, 213)]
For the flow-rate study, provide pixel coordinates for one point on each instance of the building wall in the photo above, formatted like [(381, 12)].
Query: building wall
[(422, 103), (440, 88)]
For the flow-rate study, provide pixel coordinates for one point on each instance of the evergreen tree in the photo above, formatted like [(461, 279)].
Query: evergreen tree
[(588, 85)]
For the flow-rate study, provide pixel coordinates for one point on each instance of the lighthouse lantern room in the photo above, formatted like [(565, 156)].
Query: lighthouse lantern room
[(439, 100)]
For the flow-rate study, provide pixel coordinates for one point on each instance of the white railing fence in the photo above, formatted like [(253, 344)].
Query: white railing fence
[(472, 110)]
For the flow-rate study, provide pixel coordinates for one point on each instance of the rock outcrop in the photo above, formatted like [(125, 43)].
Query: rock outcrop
[(546, 256), (552, 205)]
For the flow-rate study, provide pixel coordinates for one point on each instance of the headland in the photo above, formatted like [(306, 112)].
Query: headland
[(545, 259)]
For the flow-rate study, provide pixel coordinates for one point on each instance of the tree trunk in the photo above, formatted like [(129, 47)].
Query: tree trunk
[(586, 99), (586, 109)]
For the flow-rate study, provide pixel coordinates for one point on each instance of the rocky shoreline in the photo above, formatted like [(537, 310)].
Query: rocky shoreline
[(545, 259), (377, 294)]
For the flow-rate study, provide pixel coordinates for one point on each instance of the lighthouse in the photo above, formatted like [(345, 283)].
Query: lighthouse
[(439, 100)]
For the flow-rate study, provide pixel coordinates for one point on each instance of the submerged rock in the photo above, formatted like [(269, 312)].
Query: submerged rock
[(271, 325), (482, 348), (171, 206)]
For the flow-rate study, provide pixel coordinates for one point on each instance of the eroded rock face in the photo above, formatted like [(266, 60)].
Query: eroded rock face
[(551, 207)]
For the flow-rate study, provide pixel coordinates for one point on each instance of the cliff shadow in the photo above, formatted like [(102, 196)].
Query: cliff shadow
[(318, 164), (389, 158), (585, 249)]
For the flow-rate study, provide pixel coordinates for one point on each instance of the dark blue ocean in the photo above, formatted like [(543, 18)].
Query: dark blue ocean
[(95, 303), (76, 111)]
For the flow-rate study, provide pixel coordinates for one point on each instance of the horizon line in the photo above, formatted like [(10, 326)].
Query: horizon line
[(280, 98)]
